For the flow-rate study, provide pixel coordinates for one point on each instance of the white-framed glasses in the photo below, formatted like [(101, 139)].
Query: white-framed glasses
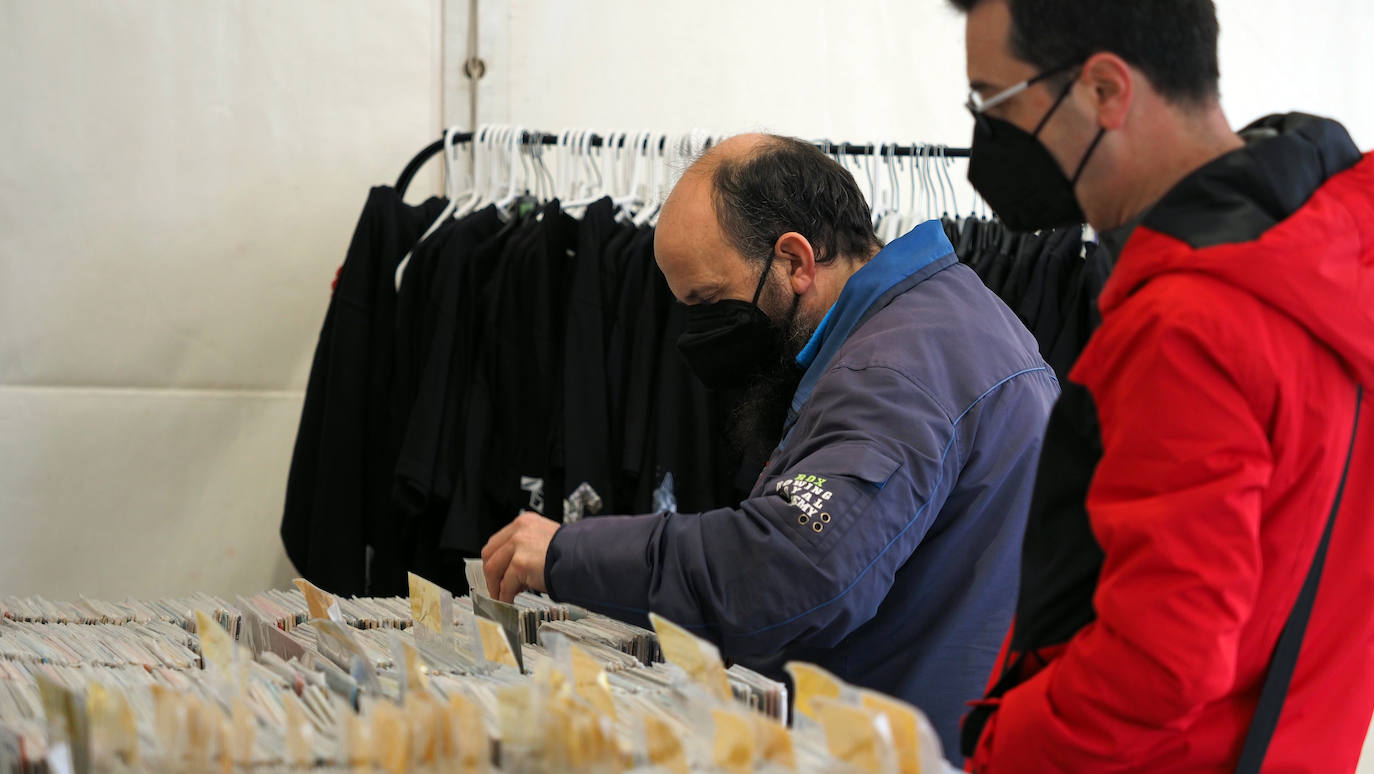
[(978, 106)]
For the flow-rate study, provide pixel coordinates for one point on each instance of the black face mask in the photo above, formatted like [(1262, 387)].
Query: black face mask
[(728, 343), (1014, 172)]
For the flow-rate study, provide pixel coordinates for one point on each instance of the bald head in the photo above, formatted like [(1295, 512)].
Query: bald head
[(734, 206), (737, 148), (693, 250)]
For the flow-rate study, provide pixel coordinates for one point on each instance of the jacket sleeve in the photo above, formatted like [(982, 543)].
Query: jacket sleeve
[(809, 559), (1175, 505)]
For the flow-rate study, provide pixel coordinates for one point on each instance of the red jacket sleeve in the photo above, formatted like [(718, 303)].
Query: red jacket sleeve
[(1175, 504)]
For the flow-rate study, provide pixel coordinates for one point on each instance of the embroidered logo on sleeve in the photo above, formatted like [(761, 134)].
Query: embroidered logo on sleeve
[(808, 494)]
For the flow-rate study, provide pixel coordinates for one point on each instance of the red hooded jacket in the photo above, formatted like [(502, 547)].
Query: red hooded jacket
[(1187, 475)]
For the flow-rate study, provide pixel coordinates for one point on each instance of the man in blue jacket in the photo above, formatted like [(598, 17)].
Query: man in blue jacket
[(883, 539)]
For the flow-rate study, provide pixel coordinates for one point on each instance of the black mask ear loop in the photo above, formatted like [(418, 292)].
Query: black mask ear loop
[(1063, 95), (1083, 164), (763, 280)]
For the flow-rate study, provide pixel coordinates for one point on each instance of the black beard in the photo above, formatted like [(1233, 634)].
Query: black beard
[(758, 412)]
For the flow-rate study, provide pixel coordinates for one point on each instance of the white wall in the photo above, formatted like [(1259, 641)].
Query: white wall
[(1277, 55), (863, 72), (857, 72), (178, 183), (860, 71)]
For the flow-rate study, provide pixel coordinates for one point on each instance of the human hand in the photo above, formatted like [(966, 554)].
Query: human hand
[(513, 560)]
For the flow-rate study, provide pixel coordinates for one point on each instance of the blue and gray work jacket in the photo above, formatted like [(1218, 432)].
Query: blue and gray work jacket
[(883, 539)]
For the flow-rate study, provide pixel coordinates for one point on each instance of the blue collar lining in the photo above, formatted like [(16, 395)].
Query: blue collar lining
[(901, 260)]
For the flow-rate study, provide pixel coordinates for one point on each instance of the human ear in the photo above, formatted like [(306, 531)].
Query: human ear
[(794, 252)]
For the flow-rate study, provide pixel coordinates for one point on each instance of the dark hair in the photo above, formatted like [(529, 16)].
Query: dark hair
[(790, 185), (1174, 42)]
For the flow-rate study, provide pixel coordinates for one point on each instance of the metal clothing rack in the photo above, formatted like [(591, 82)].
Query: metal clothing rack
[(597, 141)]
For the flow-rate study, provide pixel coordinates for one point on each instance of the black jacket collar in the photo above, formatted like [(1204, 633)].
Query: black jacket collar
[(1246, 192)]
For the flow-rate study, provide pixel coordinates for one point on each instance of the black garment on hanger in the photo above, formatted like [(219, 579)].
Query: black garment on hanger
[(474, 282), (1041, 307), (642, 379), (630, 380), (523, 354), (586, 406), (1050, 279), (422, 418), (1083, 316), (613, 268), (1023, 263), (524, 357), (433, 344), (411, 329), (340, 445)]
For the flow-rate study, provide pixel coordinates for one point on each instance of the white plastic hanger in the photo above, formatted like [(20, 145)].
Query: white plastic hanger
[(892, 203), (881, 202), (505, 180), (555, 165), (496, 171), (908, 216), (610, 162), (571, 170), (481, 172), (676, 149), (865, 162), (527, 152), (676, 156), (656, 158), (932, 203), (896, 166), (656, 151), (937, 182), (544, 189), (589, 163), (845, 154), (681, 151), (611, 152), (450, 190), (650, 167), (945, 162), (585, 192), (946, 185), (903, 207), (979, 208), (838, 152), (616, 155), (906, 213), (630, 198), (593, 157), (512, 150), (539, 185), (927, 191), (450, 163), (549, 185)]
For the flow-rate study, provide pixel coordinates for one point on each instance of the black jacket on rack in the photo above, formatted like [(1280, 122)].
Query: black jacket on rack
[(339, 471), (586, 408), (1051, 280), (526, 356)]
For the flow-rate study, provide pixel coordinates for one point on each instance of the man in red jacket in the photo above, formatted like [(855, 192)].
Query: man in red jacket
[(1206, 462)]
